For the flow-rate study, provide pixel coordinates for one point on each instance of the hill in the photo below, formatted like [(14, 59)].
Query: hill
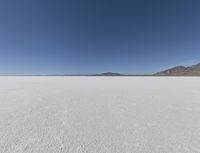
[(193, 70)]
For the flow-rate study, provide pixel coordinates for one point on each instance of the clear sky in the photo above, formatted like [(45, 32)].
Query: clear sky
[(94, 36)]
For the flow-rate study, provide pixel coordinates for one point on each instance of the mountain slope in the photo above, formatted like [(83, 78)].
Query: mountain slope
[(193, 70)]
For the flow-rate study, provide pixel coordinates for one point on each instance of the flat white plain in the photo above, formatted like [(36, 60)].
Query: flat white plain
[(99, 115)]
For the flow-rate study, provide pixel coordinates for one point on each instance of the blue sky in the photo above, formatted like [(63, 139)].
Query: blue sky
[(94, 36)]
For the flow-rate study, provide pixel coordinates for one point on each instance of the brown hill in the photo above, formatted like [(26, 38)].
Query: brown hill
[(193, 70)]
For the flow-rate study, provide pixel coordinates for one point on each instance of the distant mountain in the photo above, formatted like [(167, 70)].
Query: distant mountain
[(193, 70), (98, 74), (110, 74)]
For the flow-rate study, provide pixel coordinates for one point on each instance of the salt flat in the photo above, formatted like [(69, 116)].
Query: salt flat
[(99, 115)]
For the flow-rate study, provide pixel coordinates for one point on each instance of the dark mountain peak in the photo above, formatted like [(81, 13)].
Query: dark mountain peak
[(177, 68), (111, 74)]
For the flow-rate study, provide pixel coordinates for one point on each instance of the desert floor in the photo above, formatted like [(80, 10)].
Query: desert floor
[(99, 115)]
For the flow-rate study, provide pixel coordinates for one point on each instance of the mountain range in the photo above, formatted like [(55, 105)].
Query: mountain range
[(193, 70)]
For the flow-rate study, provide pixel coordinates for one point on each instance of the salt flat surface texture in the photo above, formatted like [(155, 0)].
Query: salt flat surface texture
[(99, 115)]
